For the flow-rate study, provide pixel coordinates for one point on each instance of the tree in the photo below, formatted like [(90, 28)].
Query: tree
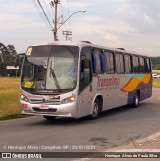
[(155, 63), (7, 58), (3, 50)]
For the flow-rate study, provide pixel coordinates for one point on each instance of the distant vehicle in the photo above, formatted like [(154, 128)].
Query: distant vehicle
[(76, 80), (154, 75)]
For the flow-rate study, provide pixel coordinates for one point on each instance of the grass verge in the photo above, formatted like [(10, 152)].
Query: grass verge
[(156, 82), (12, 116), (9, 99), (156, 71)]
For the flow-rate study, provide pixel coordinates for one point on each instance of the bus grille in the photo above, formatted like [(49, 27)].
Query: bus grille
[(44, 110), (47, 102)]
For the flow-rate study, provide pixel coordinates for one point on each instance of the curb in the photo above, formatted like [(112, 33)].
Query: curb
[(133, 143)]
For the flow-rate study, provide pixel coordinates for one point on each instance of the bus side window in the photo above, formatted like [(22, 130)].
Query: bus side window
[(97, 61), (135, 61), (142, 68), (147, 65), (109, 60), (102, 60), (119, 63), (128, 64)]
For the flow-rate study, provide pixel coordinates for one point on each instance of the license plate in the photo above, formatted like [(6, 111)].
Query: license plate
[(44, 107)]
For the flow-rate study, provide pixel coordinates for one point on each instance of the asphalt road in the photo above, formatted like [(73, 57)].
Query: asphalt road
[(114, 127)]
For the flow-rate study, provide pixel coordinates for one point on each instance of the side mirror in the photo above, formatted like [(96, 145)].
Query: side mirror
[(21, 55)]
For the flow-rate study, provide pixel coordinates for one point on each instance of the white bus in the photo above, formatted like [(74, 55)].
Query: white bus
[(81, 79)]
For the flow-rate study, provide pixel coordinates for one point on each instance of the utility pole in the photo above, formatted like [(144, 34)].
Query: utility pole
[(56, 2), (67, 34)]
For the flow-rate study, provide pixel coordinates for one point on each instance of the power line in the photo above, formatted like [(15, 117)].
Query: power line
[(41, 15), (45, 14), (51, 5), (51, 16)]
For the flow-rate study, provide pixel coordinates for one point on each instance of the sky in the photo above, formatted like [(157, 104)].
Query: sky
[(130, 24)]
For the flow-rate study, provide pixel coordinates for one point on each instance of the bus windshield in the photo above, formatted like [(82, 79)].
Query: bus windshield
[(52, 68)]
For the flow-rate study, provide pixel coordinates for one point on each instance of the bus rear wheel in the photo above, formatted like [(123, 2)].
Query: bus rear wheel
[(96, 110), (49, 118), (136, 100)]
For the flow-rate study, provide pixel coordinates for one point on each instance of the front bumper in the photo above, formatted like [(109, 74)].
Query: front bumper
[(62, 110)]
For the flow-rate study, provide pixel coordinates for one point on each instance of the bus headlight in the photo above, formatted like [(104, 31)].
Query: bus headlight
[(23, 97), (69, 99)]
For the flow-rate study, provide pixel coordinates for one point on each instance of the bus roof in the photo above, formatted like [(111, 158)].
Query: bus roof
[(89, 44)]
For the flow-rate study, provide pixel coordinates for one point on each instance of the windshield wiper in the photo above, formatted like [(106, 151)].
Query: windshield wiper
[(55, 79)]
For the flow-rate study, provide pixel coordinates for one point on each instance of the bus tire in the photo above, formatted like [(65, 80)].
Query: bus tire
[(96, 110), (49, 118), (135, 100)]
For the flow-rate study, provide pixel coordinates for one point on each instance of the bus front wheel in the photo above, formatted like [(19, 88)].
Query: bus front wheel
[(49, 118), (96, 110)]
